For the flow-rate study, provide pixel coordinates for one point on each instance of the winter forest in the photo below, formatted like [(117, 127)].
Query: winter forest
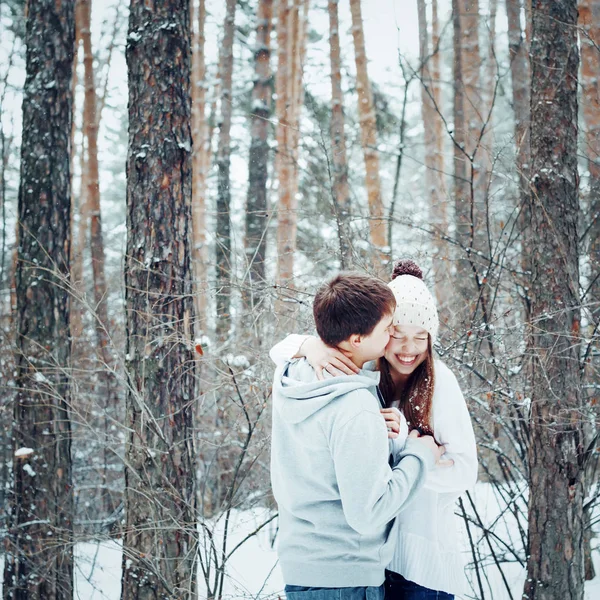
[(177, 179)]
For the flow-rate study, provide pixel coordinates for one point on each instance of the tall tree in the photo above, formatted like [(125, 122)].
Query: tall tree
[(200, 162), (297, 49), (555, 531), (368, 131), (341, 191), (430, 109), (589, 36), (461, 181), (257, 217), (39, 557), (223, 232), (471, 164), (519, 70), (285, 245), (291, 40), (159, 544), (589, 18), (91, 122)]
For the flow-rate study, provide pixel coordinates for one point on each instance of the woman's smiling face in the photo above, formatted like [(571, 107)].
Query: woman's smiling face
[(407, 348)]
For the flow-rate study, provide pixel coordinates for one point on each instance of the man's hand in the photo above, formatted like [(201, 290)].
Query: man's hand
[(438, 451)]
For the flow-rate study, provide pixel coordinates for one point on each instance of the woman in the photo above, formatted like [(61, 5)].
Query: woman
[(427, 561)]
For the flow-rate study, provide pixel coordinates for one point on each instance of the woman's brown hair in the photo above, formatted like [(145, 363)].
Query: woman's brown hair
[(417, 396)]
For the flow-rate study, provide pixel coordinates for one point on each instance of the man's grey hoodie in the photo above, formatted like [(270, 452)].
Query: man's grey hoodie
[(337, 494)]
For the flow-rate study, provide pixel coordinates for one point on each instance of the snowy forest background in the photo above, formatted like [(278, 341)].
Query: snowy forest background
[(266, 145)]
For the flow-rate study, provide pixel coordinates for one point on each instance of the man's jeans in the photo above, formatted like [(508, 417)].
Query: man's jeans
[(298, 592), (398, 588)]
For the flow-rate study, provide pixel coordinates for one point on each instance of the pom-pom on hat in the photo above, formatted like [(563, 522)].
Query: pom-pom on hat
[(414, 303)]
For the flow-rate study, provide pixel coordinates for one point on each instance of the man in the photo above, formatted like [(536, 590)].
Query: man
[(336, 492)]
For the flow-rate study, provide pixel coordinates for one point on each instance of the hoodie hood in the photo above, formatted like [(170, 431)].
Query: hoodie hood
[(298, 394)]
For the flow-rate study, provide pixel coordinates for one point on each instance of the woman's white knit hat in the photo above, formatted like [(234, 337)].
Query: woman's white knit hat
[(414, 302)]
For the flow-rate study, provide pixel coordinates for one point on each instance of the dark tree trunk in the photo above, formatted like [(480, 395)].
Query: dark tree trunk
[(223, 233), (555, 553), (159, 545), (257, 217), (39, 557)]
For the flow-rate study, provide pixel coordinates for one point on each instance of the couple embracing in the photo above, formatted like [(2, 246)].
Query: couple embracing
[(372, 444)]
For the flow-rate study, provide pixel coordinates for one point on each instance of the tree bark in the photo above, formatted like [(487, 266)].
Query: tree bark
[(589, 36), (555, 531), (76, 316), (160, 539), (286, 210), (91, 122), (430, 107), (257, 216), (299, 18), (461, 180), (39, 544), (341, 192), (368, 130), (200, 165), (223, 233), (519, 70), (589, 15)]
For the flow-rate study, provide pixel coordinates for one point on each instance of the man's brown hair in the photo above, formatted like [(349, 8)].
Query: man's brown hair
[(351, 304)]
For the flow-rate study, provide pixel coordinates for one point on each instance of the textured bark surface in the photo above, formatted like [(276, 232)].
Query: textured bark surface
[(519, 70), (200, 165), (430, 105), (589, 19), (91, 122), (368, 131), (555, 553), (286, 209), (223, 231), (589, 36), (461, 183), (257, 217), (159, 545), (341, 192), (297, 49), (39, 544), (471, 168)]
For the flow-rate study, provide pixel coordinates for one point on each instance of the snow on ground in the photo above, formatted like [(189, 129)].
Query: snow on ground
[(253, 572)]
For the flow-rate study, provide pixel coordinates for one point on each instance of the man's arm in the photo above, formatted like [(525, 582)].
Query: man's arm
[(373, 494)]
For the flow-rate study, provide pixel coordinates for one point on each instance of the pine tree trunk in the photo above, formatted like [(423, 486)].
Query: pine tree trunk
[(200, 165), (473, 227), (430, 107), (257, 216), (368, 130), (100, 316), (160, 539), (39, 544), (76, 312), (461, 181), (519, 69), (298, 54), (341, 192), (223, 233), (589, 18), (589, 36), (555, 536), (286, 213), (491, 74)]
